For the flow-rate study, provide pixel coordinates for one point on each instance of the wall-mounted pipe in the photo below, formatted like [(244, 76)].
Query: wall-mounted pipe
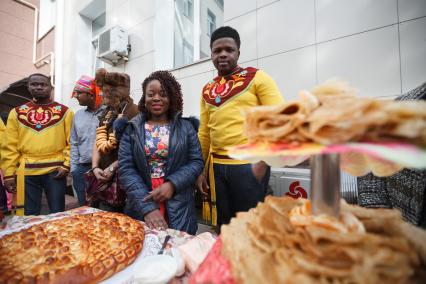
[(39, 62)]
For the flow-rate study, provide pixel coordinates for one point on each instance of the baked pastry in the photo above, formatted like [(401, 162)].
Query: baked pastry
[(79, 249), (280, 241), (332, 113)]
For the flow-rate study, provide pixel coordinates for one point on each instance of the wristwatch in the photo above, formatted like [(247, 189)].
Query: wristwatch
[(111, 169)]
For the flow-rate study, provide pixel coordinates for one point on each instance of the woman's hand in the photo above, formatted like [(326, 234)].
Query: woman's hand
[(155, 220), (163, 193), (100, 175)]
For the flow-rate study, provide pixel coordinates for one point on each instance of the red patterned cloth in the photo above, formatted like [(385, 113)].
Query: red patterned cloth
[(39, 117), (222, 89), (156, 182), (215, 269)]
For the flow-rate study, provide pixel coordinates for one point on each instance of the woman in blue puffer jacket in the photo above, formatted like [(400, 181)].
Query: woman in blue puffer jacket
[(160, 158)]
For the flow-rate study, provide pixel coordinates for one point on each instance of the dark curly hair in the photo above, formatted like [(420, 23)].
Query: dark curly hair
[(172, 88), (225, 31)]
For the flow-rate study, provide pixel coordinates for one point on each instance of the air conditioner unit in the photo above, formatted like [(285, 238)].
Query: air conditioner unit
[(296, 182), (113, 45)]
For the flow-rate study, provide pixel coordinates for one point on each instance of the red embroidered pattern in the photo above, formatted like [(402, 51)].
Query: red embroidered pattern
[(222, 89), (40, 117)]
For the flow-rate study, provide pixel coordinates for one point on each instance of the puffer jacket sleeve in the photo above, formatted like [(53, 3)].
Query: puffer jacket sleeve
[(186, 175), (131, 179)]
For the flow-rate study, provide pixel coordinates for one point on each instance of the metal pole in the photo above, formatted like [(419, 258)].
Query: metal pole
[(325, 184)]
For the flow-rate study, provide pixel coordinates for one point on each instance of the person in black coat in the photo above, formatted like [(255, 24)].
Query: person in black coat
[(160, 158), (405, 190)]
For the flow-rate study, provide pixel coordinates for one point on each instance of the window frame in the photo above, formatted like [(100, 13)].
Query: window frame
[(211, 19)]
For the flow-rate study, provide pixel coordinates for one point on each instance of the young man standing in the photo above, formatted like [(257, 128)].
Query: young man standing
[(83, 132), (35, 150), (235, 185)]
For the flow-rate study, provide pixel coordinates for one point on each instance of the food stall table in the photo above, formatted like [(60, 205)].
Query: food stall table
[(357, 159), (152, 243)]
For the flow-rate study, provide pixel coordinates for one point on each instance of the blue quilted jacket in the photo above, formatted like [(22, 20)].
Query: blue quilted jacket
[(184, 164)]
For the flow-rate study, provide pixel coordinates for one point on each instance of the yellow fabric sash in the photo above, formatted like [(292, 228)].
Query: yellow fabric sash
[(19, 197), (209, 206)]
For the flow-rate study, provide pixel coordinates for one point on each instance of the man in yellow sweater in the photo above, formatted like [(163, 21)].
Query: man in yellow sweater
[(235, 185), (35, 150)]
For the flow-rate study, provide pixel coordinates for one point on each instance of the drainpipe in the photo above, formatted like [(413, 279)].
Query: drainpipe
[(43, 59), (59, 48)]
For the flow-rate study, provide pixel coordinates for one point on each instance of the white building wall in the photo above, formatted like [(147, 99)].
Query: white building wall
[(72, 49), (379, 46), (137, 17)]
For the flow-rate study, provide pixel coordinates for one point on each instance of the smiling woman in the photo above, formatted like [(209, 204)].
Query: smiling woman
[(156, 102), (160, 158)]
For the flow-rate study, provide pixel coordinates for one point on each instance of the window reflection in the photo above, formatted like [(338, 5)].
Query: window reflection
[(195, 20)]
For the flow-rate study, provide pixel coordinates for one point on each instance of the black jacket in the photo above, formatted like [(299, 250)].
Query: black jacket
[(184, 164), (405, 190)]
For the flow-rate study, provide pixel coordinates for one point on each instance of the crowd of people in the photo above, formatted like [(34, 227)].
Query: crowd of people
[(143, 160)]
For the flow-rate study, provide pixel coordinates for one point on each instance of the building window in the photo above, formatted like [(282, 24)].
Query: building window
[(188, 52), (94, 13), (96, 62), (188, 9), (98, 24), (220, 3), (194, 22), (211, 22), (47, 17)]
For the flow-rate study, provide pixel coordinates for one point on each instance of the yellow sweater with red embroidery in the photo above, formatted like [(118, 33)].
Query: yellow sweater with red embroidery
[(37, 136), (222, 103)]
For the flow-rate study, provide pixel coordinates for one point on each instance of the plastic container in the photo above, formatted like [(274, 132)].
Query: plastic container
[(156, 269)]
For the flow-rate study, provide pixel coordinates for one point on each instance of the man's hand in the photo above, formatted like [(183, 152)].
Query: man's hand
[(10, 185), (259, 170), (61, 173), (202, 184), (155, 220), (163, 193), (101, 175)]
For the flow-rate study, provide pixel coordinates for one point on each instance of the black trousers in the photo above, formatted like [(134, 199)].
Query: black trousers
[(237, 189)]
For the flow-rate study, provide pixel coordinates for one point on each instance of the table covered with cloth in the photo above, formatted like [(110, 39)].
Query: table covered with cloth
[(152, 242)]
